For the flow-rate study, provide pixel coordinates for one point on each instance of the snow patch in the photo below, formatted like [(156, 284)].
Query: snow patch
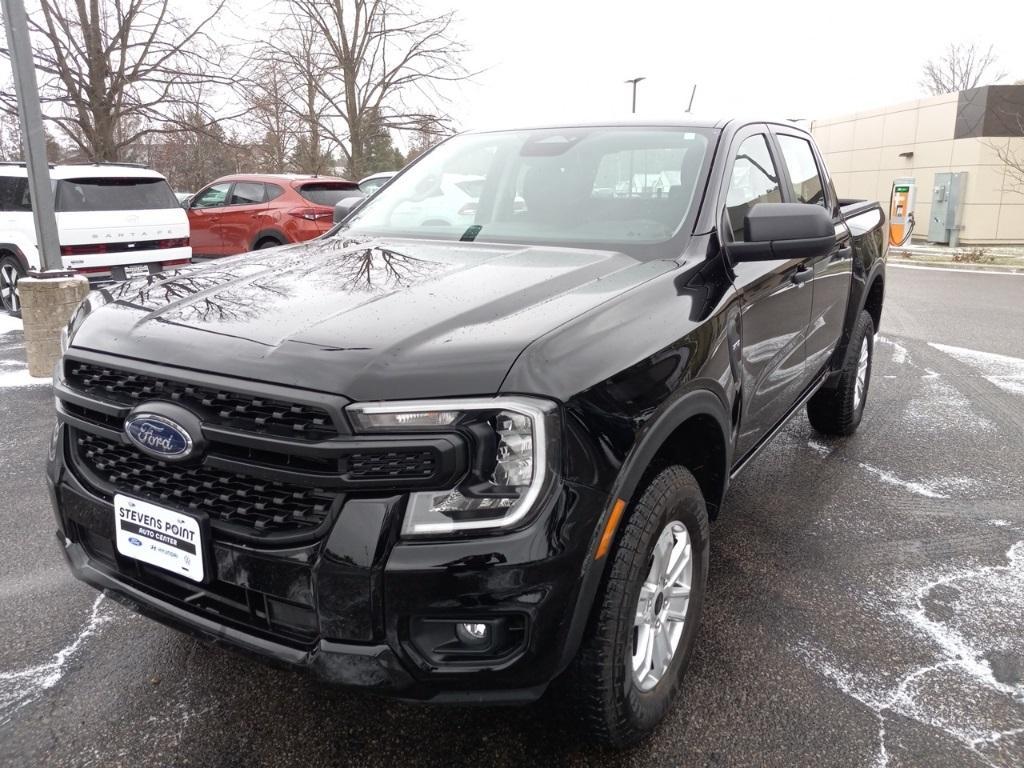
[(944, 693), (899, 352), (9, 324), (943, 407), (819, 448), (19, 377), (1000, 523), (921, 489), (1004, 371), (20, 687)]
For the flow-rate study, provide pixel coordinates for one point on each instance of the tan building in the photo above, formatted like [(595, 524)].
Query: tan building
[(954, 133)]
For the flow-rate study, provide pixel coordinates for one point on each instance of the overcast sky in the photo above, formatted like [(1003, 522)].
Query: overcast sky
[(548, 60)]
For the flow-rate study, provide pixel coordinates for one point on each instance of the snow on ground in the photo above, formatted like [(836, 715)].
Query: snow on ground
[(1004, 371), (963, 615), (9, 324)]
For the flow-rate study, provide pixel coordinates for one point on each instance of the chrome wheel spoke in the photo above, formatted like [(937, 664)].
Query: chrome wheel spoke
[(680, 560), (677, 600), (663, 650), (645, 605)]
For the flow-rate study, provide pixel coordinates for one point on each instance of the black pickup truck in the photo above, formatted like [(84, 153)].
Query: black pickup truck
[(466, 446)]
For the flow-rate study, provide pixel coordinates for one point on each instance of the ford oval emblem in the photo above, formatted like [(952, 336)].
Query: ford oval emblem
[(134, 542), (158, 436)]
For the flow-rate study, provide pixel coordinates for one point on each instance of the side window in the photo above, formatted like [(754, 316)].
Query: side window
[(14, 194), (803, 171), (212, 197), (754, 180), (247, 193), (273, 191)]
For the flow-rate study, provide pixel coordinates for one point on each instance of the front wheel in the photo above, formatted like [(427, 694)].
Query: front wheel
[(838, 411), (645, 622), (10, 273)]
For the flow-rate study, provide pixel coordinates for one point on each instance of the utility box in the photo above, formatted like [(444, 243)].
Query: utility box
[(947, 200)]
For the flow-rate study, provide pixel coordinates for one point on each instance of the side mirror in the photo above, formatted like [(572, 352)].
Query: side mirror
[(774, 231), (345, 206)]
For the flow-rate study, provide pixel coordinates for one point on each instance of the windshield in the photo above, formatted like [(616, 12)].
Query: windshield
[(113, 195), (587, 185)]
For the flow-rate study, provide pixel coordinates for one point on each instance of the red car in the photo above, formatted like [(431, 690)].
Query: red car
[(248, 211)]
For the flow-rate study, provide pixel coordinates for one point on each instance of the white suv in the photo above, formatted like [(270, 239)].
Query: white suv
[(114, 221)]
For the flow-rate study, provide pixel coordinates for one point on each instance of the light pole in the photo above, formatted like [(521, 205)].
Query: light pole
[(33, 135), (48, 295), (634, 81)]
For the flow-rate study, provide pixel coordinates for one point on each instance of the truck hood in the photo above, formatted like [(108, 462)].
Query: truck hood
[(369, 320)]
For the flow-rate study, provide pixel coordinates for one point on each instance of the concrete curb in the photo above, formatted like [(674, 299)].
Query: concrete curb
[(942, 266)]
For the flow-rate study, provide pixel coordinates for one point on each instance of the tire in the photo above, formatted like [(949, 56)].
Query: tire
[(615, 707), (838, 411), (10, 273), (266, 243)]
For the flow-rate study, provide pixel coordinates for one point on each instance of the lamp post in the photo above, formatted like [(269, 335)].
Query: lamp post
[(49, 294), (634, 81), (33, 136)]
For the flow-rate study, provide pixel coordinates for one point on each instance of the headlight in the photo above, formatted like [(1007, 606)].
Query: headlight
[(513, 444)]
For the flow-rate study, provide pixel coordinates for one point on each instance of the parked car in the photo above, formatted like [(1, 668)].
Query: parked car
[(447, 200), (372, 183), (248, 212), (457, 463), (113, 221)]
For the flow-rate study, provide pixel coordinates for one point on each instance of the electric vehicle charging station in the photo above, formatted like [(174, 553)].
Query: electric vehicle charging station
[(901, 210)]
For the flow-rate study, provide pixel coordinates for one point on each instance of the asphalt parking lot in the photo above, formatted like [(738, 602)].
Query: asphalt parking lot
[(865, 607)]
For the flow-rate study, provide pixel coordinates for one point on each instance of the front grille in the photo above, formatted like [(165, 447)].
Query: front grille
[(383, 465), (222, 407), (236, 502)]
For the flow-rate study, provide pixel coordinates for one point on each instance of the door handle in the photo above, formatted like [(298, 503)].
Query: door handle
[(802, 275)]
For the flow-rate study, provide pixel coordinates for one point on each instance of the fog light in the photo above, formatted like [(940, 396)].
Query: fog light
[(473, 634)]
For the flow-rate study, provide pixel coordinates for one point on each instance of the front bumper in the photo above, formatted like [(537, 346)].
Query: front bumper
[(347, 608)]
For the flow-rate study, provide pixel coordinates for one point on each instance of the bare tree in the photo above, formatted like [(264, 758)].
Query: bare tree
[(268, 93), (1011, 155), (961, 67), (384, 63), (425, 137), (113, 72)]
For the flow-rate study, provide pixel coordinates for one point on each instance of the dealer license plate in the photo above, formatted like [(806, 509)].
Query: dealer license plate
[(159, 536), (136, 270)]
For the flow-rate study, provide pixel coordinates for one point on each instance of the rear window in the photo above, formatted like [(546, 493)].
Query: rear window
[(327, 192), (114, 195)]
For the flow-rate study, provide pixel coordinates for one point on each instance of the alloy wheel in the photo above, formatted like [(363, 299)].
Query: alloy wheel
[(862, 374), (9, 288), (661, 608)]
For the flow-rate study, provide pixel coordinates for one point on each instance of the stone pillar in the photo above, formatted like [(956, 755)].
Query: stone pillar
[(46, 307)]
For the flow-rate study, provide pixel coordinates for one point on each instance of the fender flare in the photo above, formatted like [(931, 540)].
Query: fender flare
[(18, 254), (271, 232), (877, 273), (695, 402)]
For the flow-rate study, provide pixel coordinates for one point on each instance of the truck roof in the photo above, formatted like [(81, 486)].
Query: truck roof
[(648, 122), (86, 170)]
